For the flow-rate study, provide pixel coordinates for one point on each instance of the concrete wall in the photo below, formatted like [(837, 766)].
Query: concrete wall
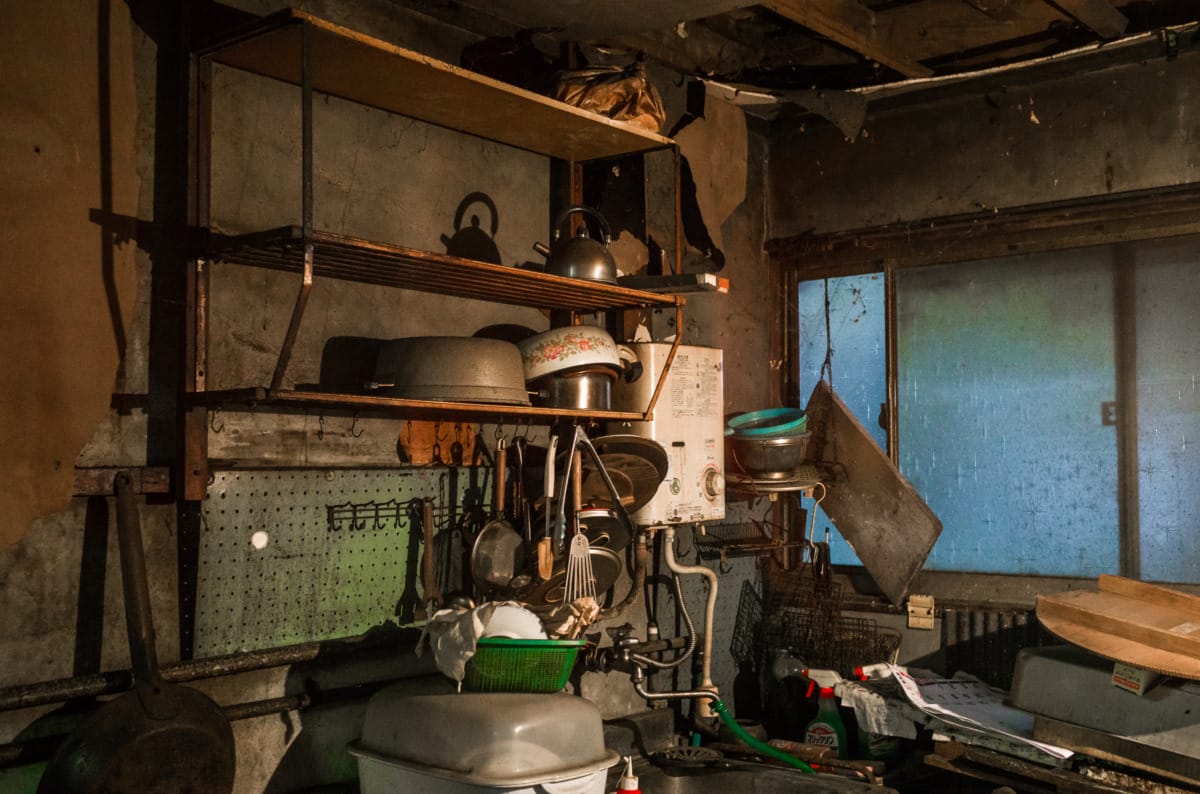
[(377, 176), (1003, 144)]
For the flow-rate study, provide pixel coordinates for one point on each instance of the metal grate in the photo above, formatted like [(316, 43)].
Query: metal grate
[(745, 645), (803, 615), (353, 259)]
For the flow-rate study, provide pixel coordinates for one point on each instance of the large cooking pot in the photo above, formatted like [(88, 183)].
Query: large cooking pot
[(573, 348), (578, 255), (451, 368)]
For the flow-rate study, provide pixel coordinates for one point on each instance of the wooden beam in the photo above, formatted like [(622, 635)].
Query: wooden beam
[(1000, 10), (1137, 215), (1097, 15), (852, 25)]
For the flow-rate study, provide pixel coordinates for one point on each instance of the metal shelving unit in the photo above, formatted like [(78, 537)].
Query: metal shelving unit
[(318, 56)]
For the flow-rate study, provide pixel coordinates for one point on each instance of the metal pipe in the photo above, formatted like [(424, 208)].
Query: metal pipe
[(117, 681), (706, 683), (642, 659)]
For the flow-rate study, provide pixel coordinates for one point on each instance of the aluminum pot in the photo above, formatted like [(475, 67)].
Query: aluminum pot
[(589, 389), (451, 368), (572, 348)]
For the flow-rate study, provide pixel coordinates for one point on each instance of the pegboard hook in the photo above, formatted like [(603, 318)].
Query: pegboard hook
[(354, 424), (320, 427), (212, 421)]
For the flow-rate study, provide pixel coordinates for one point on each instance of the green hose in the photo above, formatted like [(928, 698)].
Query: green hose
[(762, 747)]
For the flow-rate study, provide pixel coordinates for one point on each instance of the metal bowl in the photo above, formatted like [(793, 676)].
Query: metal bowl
[(768, 458)]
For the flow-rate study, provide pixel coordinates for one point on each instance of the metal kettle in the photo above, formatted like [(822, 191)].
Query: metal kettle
[(580, 256)]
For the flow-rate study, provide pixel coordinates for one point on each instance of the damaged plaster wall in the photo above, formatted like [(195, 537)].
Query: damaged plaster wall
[(380, 177), (1124, 128), (67, 286)]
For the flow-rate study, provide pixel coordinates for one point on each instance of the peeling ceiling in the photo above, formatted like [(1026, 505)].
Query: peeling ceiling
[(793, 45)]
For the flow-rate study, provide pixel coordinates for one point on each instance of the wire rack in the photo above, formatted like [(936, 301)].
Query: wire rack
[(802, 614), (746, 643), (741, 539)]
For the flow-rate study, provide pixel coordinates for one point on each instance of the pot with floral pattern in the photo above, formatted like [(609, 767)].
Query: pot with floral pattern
[(571, 348)]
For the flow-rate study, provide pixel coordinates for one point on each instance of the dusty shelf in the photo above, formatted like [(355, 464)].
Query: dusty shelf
[(352, 259), (364, 69), (256, 396)]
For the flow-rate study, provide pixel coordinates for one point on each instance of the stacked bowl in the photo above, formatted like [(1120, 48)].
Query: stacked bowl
[(768, 444)]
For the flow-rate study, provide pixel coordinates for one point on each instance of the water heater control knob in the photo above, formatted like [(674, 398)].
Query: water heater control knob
[(713, 483)]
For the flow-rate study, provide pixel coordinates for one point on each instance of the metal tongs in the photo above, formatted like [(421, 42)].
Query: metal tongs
[(581, 441)]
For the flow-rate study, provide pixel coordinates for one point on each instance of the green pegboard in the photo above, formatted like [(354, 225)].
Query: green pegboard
[(291, 556)]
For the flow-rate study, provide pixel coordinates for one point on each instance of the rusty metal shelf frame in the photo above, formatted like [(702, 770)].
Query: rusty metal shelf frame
[(284, 46), (260, 395)]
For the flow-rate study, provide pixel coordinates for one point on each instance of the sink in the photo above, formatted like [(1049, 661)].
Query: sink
[(746, 778)]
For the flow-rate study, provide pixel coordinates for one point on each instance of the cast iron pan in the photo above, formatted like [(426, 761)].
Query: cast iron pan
[(160, 737)]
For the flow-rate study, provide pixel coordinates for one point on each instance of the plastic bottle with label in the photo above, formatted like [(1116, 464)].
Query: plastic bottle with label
[(827, 728)]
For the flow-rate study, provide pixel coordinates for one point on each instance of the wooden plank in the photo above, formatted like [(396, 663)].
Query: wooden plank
[(1150, 593), (1000, 10), (880, 514), (363, 69), (936, 28), (852, 25), (1138, 215), (1098, 15), (1166, 628), (98, 481)]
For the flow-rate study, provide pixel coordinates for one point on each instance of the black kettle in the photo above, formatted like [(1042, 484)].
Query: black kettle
[(580, 256), (472, 242)]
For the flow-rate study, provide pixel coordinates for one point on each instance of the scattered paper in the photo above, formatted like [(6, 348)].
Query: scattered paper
[(966, 702)]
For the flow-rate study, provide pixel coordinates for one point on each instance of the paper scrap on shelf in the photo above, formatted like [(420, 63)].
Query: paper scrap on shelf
[(967, 702)]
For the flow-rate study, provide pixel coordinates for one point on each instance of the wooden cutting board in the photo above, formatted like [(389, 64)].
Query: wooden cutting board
[(1142, 624)]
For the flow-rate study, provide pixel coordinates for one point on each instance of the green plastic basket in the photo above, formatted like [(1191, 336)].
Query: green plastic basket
[(504, 665)]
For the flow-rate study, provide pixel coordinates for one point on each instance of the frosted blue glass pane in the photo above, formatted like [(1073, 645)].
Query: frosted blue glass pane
[(1003, 367), (1168, 372), (859, 362)]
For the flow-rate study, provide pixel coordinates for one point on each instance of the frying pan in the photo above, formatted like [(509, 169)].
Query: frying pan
[(160, 737)]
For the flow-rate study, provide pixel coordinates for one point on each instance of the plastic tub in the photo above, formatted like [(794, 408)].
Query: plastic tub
[(489, 742), (768, 422)]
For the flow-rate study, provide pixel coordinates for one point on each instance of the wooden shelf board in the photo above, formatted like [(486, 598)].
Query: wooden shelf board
[(260, 395), (353, 259), (363, 69)]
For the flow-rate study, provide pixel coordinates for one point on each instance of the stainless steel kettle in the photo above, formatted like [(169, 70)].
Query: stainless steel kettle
[(579, 255)]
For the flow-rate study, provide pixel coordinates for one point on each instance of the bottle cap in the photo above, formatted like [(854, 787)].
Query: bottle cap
[(629, 781), (826, 692)]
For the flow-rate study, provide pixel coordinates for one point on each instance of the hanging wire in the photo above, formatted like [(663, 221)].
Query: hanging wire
[(827, 364)]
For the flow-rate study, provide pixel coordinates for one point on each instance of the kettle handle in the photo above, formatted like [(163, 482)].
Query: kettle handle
[(566, 213), (468, 200)]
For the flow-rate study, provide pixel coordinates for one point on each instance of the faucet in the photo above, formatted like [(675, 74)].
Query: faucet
[(631, 655)]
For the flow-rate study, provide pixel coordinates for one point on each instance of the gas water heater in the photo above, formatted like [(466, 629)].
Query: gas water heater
[(689, 423)]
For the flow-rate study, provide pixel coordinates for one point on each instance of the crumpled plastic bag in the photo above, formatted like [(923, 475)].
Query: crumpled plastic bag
[(453, 633), (624, 94)]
